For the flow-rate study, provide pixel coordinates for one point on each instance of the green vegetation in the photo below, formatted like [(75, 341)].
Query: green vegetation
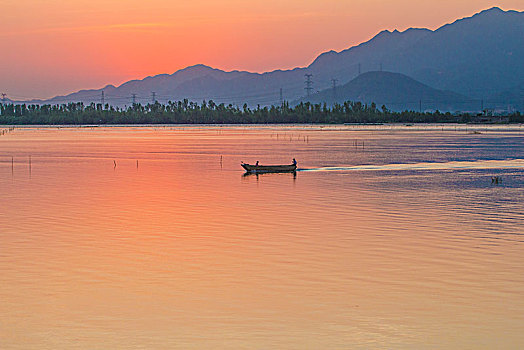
[(186, 112)]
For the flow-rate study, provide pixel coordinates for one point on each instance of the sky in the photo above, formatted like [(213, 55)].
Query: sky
[(55, 47)]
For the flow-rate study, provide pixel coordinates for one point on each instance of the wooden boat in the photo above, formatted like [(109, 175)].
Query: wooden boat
[(269, 168)]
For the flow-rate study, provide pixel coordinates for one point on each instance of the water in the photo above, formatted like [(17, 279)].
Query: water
[(387, 238)]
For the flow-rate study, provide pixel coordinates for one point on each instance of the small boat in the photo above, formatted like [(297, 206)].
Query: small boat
[(269, 168)]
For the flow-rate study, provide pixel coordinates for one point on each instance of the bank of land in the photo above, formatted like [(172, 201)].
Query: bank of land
[(208, 112)]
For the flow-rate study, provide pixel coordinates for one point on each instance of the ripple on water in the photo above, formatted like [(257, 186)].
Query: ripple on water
[(401, 243)]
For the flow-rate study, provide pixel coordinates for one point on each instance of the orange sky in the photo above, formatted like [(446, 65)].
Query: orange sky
[(56, 47)]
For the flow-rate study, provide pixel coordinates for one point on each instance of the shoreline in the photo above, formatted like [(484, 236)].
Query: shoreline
[(471, 129), (349, 126)]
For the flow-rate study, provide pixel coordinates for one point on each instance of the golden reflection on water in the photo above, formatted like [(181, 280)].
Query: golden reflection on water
[(183, 251)]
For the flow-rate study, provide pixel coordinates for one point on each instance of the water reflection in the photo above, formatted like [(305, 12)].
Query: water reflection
[(392, 250), (268, 174)]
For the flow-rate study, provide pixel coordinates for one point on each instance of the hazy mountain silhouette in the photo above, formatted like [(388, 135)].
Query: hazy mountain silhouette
[(199, 83), (394, 90), (508, 99), (475, 56), (369, 56), (478, 56)]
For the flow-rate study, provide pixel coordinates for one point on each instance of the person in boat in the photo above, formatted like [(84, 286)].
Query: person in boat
[(256, 163), (294, 162)]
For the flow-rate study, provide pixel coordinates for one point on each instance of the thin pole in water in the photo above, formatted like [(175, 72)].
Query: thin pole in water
[(114, 162)]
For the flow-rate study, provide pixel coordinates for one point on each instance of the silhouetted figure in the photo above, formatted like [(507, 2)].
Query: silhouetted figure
[(256, 163), (294, 161)]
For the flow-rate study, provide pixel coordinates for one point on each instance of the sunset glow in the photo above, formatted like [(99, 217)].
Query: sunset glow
[(57, 47)]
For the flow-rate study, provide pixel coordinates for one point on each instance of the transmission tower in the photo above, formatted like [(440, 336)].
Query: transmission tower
[(153, 97), (281, 98), (133, 96), (334, 81), (309, 84), (102, 99)]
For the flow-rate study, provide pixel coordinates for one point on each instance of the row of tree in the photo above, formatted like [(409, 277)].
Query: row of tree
[(208, 112)]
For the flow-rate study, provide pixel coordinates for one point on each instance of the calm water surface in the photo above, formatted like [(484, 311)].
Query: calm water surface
[(388, 238)]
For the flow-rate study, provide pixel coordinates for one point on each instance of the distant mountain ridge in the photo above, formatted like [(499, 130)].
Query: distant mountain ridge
[(394, 90), (478, 57)]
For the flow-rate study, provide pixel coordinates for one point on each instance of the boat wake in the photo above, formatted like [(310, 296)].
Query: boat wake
[(479, 164)]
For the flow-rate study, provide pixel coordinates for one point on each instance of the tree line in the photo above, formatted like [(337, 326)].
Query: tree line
[(209, 112)]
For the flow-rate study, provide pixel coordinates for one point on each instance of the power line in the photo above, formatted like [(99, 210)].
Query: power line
[(309, 84)]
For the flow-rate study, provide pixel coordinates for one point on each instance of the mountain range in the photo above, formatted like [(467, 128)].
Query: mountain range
[(407, 94), (473, 62)]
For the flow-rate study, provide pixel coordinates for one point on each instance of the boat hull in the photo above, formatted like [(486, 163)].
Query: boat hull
[(269, 168)]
